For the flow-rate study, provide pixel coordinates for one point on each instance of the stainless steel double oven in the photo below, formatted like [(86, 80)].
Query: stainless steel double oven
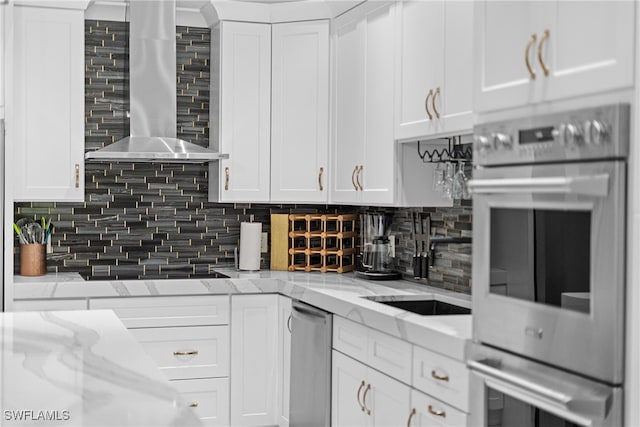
[(549, 204)]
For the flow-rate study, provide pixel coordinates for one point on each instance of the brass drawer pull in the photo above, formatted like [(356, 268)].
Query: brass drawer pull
[(435, 376), (358, 177), (364, 399), (545, 69), (358, 396), (77, 175), (353, 174), (526, 56), (320, 179), (185, 353), (226, 178), (432, 411), (426, 104), (433, 102), (411, 415), (193, 404)]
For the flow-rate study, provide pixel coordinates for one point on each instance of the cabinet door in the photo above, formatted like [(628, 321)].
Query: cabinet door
[(503, 32), (348, 119), (377, 174), (245, 105), (421, 56), (254, 365), (284, 359), (348, 384), (431, 412), (209, 398), (389, 400), (590, 49), (300, 111), (47, 130)]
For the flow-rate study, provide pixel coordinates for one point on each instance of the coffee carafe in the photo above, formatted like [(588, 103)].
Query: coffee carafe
[(376, 261)]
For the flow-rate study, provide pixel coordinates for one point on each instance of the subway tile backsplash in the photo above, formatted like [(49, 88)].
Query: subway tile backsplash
[(143, 220)]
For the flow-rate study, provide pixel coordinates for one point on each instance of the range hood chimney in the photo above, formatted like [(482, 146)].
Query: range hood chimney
[(152, 89)]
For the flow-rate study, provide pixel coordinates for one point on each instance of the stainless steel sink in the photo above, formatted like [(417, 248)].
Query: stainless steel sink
[(424, 307)]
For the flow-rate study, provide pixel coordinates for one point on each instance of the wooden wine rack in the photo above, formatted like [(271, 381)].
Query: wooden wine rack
[(322, 242)]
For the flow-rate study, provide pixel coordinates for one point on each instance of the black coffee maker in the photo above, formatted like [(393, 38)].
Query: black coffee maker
[(376, 260)]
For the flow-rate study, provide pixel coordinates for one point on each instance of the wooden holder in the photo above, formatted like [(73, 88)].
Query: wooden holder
[(33, 259)]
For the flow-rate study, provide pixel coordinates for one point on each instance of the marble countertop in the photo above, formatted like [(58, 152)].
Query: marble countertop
[(81, 368), (341, 294)]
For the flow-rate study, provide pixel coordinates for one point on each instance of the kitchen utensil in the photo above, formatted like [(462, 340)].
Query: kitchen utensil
[(424, 260), (416, 256), (21, 237)]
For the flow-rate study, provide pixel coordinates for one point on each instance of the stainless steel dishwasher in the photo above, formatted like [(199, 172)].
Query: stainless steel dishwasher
[(310, 401)]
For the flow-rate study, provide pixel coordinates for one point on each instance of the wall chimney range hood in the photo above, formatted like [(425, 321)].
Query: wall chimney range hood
[(152, 83)]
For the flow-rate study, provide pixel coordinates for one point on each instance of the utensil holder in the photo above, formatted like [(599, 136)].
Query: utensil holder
[(33, 259)]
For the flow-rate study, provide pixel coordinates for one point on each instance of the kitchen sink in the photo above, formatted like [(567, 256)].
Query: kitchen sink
[(424, 307)]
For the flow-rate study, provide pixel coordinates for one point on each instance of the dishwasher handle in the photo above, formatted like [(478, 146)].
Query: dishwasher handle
[(310, 311)]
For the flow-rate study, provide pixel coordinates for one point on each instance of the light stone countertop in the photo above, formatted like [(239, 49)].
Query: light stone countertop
[(81, 368), (340, 294)]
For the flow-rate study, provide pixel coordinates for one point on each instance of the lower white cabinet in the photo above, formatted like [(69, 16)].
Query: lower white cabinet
[(362, 396), (49, 305), (208, 397), (254, 364), (284, 359), (429, 412)]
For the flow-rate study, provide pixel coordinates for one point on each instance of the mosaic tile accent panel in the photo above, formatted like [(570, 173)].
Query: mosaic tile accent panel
[(153, 220)]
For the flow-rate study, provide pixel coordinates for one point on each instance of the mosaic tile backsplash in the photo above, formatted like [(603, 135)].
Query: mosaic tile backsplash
[(153, 220)]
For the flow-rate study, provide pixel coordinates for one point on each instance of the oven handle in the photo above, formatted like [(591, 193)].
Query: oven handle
[(589, 185), (584, 405)]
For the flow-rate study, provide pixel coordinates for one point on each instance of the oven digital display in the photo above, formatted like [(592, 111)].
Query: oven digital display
[(530, 136), (545, 254)]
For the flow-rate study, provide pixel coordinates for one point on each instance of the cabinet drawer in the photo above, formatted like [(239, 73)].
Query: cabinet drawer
[(49, 305), (350, 338), (167, 311), (191, 352), (433, 412), (390, 355), (442, 377), (209, 398)]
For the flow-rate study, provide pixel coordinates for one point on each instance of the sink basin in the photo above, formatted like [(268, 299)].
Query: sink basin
[(425, 307)]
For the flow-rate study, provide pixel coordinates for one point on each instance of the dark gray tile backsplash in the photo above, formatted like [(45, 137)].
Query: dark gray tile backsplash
[(153, 220)]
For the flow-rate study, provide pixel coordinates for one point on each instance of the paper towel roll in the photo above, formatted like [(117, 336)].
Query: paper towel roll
[(250, 236)]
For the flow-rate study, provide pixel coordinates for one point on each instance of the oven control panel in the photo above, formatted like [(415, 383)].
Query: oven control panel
[(587, 134)]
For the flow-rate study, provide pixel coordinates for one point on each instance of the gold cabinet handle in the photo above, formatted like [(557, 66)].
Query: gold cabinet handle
[(226, 178), (77, 175), (289, 323), (358, 396), (353, 175), (320, 179), (545, 69), (358, 177), (185, 353), (526, 56), (426, 104), (411, 415), (435, 376), (432, 411), (193, 404), (364, 399), (433, 102)]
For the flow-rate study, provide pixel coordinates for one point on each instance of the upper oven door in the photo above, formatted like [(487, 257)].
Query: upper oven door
[(548, 268)]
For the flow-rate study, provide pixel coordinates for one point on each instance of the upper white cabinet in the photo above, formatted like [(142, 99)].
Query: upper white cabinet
[(529, 51), (2, 42), (434, 80), (240, 111), (364, 154), (45, 121), (300, 112)]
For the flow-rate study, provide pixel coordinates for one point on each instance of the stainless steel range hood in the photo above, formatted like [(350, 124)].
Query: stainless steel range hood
[(152, 89)]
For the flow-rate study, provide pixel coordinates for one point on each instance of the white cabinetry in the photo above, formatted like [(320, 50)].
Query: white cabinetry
[(45, 118), (240, 111), (300, 111), (188, 338), (434, 81), (529, 52), (49, 305), (254, 364), (2, 48), (364, 159), (284, 359)]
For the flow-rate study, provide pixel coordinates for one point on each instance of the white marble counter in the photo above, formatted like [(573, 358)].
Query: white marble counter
[(340, 294), (81, 368)]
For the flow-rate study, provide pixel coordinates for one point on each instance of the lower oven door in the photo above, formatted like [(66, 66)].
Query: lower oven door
[(510, 391), (548, 264)]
